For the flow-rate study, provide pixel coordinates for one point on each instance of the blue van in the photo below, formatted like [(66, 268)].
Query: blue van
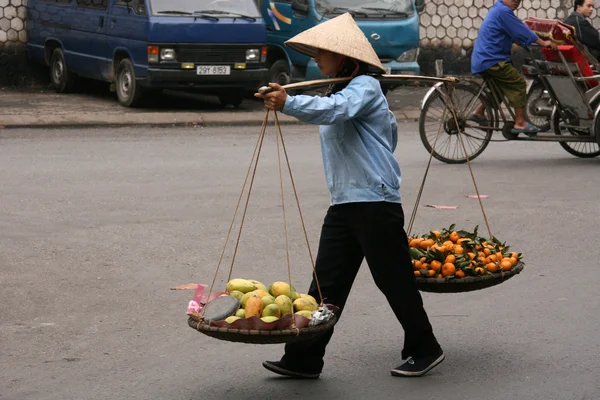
[(144, 46), (392, 27)]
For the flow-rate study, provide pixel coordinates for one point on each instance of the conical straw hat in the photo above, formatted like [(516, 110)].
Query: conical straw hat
[(339, 35)]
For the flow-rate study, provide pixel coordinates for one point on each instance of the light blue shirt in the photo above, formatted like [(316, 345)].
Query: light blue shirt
[(358, 138)]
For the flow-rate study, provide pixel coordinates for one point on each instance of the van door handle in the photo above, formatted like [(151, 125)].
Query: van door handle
[(113, 20), (101, 22)]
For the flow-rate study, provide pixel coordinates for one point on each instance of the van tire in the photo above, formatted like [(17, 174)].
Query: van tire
[(280, 73), (128, 91), (61, 78)]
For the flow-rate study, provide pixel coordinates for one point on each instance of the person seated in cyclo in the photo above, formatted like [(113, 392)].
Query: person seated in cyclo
[(492, 59), (586, 33)]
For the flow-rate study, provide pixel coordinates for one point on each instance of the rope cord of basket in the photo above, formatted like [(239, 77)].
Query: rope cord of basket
[(252, 173), (255, 154), (449, 87)]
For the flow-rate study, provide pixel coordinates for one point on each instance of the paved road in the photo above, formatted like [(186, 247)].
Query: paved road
[(97, 225)]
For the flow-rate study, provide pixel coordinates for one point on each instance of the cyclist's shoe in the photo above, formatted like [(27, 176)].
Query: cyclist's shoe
[(529, 130)]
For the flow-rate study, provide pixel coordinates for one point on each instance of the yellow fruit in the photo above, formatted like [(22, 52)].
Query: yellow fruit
[(268, 300), (305, 305), (246, 296), (305, 313), (285, 305), (308, 296), (231, 319), (269, 319), (237, 294), (241, 313), (272, 310), (259, 285), (242, 285), (262, 293), (254, 307), (283, 288)]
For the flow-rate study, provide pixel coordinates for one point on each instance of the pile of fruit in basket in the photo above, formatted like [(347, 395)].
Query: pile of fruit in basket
[(453, 254), (268, 304)]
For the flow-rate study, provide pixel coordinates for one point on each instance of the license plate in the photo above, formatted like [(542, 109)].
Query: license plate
[(213, 70)]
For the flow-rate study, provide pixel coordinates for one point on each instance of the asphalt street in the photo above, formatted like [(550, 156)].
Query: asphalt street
[(97, 225)]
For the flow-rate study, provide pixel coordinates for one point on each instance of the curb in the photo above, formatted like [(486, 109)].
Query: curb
[(252, 118)]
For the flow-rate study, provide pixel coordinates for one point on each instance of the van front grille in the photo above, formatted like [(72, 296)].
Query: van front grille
[(211, 55)]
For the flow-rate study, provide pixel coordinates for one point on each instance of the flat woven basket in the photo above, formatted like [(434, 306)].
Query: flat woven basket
[(466, 284), (259, 336)]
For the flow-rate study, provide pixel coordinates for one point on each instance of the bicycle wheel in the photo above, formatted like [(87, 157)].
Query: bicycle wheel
[(448, 148), (578, 149)]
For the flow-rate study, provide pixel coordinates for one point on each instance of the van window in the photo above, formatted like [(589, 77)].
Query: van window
[(96, 4), (391, 8), (245, 7), (139, 6)]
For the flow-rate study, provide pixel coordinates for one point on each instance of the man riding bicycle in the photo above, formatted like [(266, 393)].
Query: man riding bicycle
[(492, 59)]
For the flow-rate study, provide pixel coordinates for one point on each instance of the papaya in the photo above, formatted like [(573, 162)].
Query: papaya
[(242, 285), (246, 296), (285, 304), (254, 307)]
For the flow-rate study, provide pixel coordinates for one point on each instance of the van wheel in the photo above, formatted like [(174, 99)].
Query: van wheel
[(232, 99), (280, 73), (61, 78), (128, 91)]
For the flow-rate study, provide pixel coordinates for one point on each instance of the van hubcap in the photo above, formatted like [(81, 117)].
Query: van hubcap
[(59, 69), (125, 83)]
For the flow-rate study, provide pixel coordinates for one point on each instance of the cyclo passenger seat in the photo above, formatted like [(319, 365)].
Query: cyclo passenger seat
[(569, 46)]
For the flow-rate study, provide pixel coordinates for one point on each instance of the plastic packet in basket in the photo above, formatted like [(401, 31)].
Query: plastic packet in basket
[(320, 316), (199, 300)]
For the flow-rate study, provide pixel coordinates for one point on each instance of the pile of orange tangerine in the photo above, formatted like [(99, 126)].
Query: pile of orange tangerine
[(455, 254)]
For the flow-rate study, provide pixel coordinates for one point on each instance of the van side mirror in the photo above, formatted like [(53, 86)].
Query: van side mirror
[(420, 5), (300, 6)]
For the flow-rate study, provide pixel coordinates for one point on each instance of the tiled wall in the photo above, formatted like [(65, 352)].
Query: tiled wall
[(455, 23), (12, 21)]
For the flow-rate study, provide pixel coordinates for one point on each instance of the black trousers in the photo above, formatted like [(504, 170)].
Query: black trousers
[(375, 231)]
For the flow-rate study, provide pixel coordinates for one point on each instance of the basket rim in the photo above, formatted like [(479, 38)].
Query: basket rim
[(203, 326), (473, 279)]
